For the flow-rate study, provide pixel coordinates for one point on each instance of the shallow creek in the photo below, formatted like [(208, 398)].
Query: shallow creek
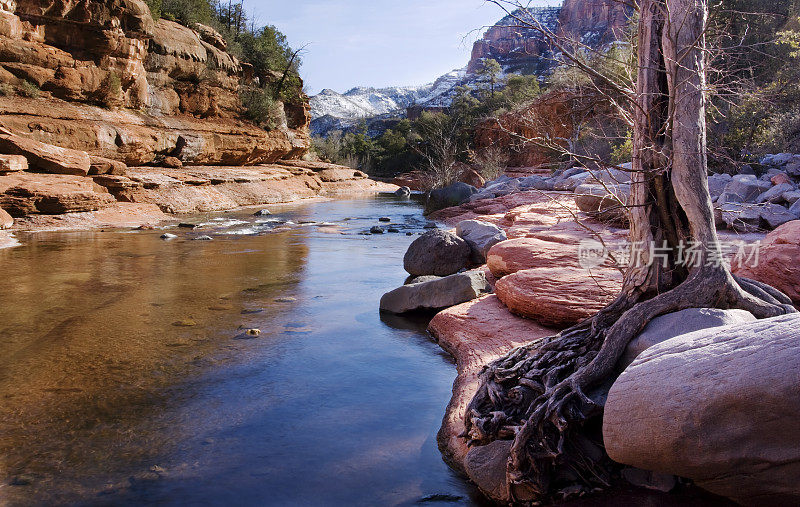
[(126, 376)]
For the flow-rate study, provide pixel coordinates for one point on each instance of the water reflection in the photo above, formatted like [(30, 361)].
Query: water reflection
[(122, 380)]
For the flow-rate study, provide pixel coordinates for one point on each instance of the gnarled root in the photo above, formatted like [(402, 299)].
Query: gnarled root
[(545, 394)]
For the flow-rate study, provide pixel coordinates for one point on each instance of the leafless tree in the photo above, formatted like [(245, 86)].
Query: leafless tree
[(546, 395)]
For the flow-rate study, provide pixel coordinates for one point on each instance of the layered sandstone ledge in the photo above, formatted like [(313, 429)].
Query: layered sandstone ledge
[(149, 195)]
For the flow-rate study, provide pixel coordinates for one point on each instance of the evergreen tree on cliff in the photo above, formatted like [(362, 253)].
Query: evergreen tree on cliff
[(548, 396)]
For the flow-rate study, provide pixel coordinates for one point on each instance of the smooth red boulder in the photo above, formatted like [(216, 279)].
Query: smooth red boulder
[(558, 296), (777, 262)]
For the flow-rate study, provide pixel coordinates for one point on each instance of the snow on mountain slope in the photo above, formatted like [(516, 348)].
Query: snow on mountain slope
[(363, 102)]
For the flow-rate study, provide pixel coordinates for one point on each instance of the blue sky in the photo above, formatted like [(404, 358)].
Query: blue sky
[(378, 42)]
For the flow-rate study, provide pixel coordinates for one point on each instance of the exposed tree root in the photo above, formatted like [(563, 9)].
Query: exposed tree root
[(543, 394)]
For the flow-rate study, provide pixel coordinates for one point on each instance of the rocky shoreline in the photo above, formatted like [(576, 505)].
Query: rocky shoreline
[(66, 197), (530, 250)]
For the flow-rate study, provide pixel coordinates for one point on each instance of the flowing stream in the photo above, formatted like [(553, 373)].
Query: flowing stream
[(127, 376)]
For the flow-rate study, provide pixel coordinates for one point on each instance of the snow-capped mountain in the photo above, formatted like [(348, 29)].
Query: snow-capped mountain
[(331, 110), (518, 49)]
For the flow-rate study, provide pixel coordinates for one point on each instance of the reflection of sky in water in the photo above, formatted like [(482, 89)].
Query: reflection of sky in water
[(123, 382)]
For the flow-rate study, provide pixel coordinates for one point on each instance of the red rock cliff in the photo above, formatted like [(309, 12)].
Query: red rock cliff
[(114, 83), (525, 50)]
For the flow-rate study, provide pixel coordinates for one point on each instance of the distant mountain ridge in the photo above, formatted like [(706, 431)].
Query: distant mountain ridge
[(518, 49)]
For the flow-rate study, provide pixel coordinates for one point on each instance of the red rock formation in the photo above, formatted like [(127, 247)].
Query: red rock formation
[(521, 49), (118, 85), (475, 333), (558, 296), (547, 122), (777, 263)]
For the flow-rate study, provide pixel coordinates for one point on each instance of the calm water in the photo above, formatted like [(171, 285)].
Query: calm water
[(125, 376)]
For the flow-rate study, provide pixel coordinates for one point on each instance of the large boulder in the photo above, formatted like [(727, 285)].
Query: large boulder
[(572, 182), (777, 263), (605, 202), (610, 176), (675, 324), (480, 236), (775, 215), (517, 254), (775, 194), (46, 157), (717, 183), (451, 195), (436, 294), (558, 296), (436, 252), (719, 406), (747, 186)]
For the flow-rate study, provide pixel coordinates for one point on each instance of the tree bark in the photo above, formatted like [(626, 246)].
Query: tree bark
[(547, 396)]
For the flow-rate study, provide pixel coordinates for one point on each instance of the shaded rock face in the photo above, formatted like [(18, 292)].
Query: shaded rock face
[(52, 194), (116, 84), (778, 261), (437, 253), (719, 406), (435, 294)]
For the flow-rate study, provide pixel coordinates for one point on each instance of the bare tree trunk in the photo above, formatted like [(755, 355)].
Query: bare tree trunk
[(547, 395)]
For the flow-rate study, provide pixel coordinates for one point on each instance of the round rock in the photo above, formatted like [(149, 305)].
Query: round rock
[(437, 253)]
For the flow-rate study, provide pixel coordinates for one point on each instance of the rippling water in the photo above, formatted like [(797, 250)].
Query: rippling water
[(126, 376)]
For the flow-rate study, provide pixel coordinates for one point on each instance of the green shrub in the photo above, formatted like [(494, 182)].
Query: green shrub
[(6, 89), (112, 91), (260, 107), (28, 89), (155, 8)]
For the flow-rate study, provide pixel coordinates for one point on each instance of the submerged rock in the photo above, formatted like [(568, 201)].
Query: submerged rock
[(436, 253), (719, 406), (436, 294), (403, 192)]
